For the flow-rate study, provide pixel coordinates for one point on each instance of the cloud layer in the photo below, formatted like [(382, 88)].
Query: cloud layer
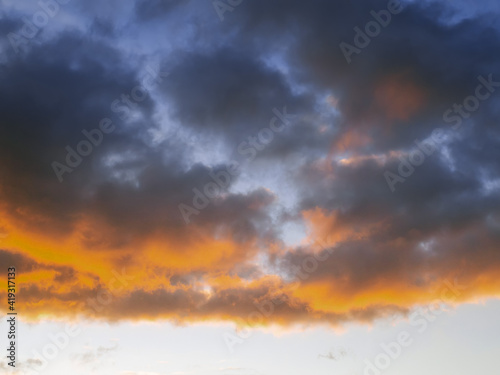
[(186, 97)]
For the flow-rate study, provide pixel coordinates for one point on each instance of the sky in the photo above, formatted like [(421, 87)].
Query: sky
[(246, 187)]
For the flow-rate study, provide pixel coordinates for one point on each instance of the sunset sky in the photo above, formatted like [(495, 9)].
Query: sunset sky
[(251, 187)]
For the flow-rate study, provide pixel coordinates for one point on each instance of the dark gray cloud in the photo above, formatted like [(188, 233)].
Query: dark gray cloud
[(48, 99), (229, 93), (147, 10)]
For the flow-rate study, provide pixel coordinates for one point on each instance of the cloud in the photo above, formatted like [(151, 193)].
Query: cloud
[(92, 356), (117, 212)]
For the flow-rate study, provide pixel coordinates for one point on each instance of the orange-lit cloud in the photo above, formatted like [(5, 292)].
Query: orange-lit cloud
[(353, 280), (399, 97)]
